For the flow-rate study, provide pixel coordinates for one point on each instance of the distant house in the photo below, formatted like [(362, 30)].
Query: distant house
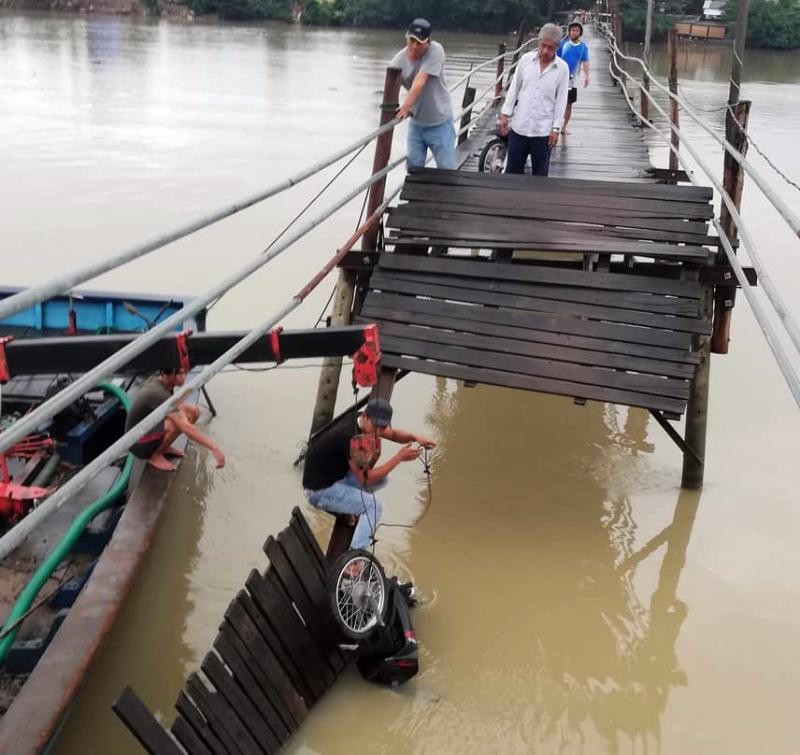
[(714, 9)]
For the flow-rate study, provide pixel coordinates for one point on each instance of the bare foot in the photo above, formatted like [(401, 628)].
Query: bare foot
[(160, 462), (176, 452)]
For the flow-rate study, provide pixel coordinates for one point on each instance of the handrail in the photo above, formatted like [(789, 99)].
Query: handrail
[(60, 284), (79, 387), (786, 212), (778, 304), (784, 363)]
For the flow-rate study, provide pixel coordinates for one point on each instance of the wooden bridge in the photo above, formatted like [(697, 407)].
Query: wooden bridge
[(595, 283)]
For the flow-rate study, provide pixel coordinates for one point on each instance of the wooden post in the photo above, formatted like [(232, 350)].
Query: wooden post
[(733, 178), (501, 64), (648, 33), (469, 98), (672, 44), (733, 182), (697, 410), (522, 32), (345, 288)]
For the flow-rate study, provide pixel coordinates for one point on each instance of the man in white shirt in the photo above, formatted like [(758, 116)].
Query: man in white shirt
[(533, 113)]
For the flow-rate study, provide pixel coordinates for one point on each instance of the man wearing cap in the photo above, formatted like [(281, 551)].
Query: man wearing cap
[(340, 476), (428, 103), (575, 53), (533, 112)]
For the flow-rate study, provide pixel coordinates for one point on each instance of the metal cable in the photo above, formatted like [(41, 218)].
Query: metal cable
[(788, 371), (786, 212), (14, 537)]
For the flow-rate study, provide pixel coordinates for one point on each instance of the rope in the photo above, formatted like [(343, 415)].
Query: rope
[(789, 374)]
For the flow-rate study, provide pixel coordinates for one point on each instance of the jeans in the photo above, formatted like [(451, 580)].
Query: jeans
[(519, 147), (441, 140), (346, 496)]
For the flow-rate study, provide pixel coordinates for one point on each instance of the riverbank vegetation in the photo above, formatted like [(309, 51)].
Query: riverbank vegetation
[(469, 15)]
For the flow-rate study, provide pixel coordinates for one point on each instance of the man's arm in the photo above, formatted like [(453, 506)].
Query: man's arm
[(376, 474), (403, 436), (585, 66), (562, 89), (510, 102), (191, 432), (420, 80)]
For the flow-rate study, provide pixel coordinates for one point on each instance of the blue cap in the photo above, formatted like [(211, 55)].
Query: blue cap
[(379, 411), (419, 29)]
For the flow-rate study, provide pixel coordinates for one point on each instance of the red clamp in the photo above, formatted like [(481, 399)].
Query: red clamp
[(366, 361), (5, 375), (182, 345), (275, 344)]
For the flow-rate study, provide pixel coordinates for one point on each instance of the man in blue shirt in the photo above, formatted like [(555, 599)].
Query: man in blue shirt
[(575, 54)]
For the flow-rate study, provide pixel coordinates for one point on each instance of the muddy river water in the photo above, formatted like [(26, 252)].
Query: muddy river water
[(574, 600)]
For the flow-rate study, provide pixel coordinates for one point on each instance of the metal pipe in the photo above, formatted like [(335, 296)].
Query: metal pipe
[(785, 365), (46, 472), (786, 212), (64, 547), (766, 282)]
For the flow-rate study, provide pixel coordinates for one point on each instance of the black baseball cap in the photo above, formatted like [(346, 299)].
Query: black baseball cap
[(379, 410), (419, 29), (578, 24)]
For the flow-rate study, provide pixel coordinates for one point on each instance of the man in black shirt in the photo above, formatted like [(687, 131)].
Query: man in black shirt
[(340, 476)]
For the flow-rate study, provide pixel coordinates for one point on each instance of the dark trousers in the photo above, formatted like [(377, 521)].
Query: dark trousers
[(519, 147)]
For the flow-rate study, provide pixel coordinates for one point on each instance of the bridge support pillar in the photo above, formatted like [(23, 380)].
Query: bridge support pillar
[(697, 410)]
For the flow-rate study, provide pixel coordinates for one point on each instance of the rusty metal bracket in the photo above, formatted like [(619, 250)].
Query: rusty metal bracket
[(675, 435), (182, 345), (275, 344), (5, 375)]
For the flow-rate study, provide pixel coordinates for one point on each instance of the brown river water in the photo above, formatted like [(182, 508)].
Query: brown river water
[(544, 627)]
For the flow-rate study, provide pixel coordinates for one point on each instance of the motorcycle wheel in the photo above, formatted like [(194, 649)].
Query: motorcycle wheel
[(358, 594), (493, 156)]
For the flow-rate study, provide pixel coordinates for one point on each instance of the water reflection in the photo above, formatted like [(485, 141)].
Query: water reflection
[(551, 562)]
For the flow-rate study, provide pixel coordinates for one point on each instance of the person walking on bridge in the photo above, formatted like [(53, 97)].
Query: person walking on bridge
[(533, 113), (428, 104), (575, 52)]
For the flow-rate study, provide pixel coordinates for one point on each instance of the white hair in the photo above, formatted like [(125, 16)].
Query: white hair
[(551, 33)]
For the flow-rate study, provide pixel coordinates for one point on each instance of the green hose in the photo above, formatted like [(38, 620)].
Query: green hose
[(39, 579)]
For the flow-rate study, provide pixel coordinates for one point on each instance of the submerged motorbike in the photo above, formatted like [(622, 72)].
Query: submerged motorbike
[(372, 615)]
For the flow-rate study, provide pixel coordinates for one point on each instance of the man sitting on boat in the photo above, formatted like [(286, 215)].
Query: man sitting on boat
[(428, 102), (341, 475), (156, 446)]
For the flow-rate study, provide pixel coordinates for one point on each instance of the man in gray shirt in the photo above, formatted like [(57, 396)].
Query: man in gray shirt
[(421, 66)]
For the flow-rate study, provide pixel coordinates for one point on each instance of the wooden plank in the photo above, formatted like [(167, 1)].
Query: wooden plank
[(491, 296), (187, 709), (620, 188), (242, 668), (493, 342), (279, 677), (535, 320), (143, 725), (541, 274), (246, 713), (471, 230), (653, 303), (220, 717), (543, 368), (300, 525), (604, 226), (293, 635), (314, 620), (546, 194), (188, 738), (527, 382), (469, 322), (313, 582)]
